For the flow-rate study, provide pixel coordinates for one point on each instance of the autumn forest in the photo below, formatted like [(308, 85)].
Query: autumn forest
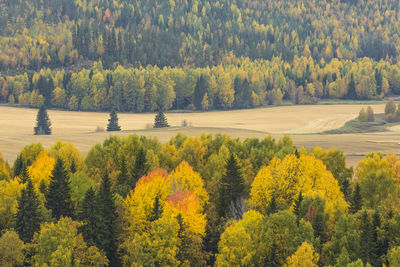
[(213, 199)]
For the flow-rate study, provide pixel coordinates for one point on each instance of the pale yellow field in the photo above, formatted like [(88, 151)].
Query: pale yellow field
[(301, 122)]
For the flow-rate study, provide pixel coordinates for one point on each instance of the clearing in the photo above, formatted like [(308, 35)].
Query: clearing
[(302, 123)]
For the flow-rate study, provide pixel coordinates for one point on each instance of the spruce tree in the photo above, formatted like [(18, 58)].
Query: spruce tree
[(351, 89), (272, 207), (122, 179), (199, 91), (28, 217), (356, 200), (107, 217), (160, 120), (156, 212), (140, 168), (58, 196), (297, 205), (88, 214), (113, 122), (43, 122), (375, 249), (231, 187), (365, 238)]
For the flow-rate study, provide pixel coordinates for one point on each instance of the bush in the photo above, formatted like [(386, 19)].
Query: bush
[(362, 116), (390, 107), (100, 129), (370, 114)]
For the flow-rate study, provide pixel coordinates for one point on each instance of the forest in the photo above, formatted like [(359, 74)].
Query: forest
[(197, 201), (140, 56)]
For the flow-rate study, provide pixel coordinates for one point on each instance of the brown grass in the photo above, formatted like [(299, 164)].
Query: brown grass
[(301, 122)]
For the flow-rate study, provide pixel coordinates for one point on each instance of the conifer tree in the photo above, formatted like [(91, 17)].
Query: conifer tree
[(199, 91), (140, 168), (19, 165), (113, 122), (156, 212), (366, 238), (272, 207), (375, 249), (356, 200), (351, 89), (43, 122), (58, 196), (107, 216), (231, 187), (160, 120), (89, 216), (122, 179), (73, 167), (28, 217), (297, 205)]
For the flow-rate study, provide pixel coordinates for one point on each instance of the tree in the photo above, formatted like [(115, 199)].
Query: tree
[(59, 244), (28, 217), (362, 116), (394, 256), (156, 212), (390, 110), (58, 197), (231, 188), (356, 200), (351, 88), (113, 122), (140, 168), (199, 92), (43, 122), (88, 214), (107, 217), (304, 257), (366, 242), (11, 250), (160, 120), (370, 114)]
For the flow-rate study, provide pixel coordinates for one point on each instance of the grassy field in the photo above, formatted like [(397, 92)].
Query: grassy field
[(303, 123)]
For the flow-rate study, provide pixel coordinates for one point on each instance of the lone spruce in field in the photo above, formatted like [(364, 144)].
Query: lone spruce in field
[(113, 122), (160, 120), (43, 122)]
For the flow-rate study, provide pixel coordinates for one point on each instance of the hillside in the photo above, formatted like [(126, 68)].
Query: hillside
[(137, 56)]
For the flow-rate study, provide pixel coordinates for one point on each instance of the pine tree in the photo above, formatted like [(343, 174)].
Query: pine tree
[(88, 214), (184, 241), (160, 120), (272, 207), (375, 248), (231, 187), (156, 212), (19, 165), (356, 200), (365, 238), (140, 168), (58, 196), (43, 122), (379, 81), (351, 89), (297, 205), (199, 91), (113, 122), (28, 217), (122, 179), (73, 167), (107, 217)]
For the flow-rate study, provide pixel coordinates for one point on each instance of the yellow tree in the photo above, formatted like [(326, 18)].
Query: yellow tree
[(304, 257), (41, 169), (9, 194), (285, 179), (69, 154)]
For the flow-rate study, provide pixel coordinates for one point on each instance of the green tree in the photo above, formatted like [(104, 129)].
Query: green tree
[(370, 114), (28, 217), (107, 217), (113, 122), (356, 199), (390, 110), (88, 214), (42, 122), (11, 250), (140, 167), (362, 116), (58, 197), (160, 120), (156, 211), (231, 189), (199, 91)]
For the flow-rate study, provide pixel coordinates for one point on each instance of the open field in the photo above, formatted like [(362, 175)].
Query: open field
[(303, 123)]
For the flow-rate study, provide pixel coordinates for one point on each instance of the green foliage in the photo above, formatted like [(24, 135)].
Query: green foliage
[(28, 217), (43, 122), (58, 198), (113, 122), (11, 250), (160, 121)]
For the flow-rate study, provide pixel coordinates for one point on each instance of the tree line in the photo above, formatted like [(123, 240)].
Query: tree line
[(207, 200), (240, 83)]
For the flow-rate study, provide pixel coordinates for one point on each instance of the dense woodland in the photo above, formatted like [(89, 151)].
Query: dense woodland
[(146, 55), (198, 200)]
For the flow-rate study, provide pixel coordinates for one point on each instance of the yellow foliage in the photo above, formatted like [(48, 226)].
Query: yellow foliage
[(286, 178), (68, 153), (139, 203), (3, 167), (41, 169), (9, 194), (185, 178), (304, 257), (188, 205)]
